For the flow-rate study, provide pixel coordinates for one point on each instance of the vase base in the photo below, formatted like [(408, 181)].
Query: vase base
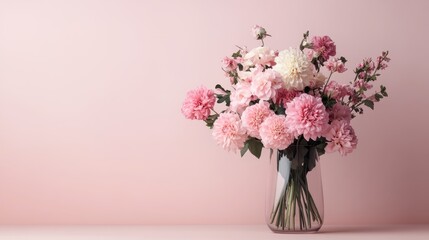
[(281, 231)]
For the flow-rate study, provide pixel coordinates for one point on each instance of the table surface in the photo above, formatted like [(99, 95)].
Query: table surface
[(209, 232)]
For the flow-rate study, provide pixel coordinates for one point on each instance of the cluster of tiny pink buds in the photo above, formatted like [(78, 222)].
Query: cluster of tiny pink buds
[(365, 68), (383, 60)]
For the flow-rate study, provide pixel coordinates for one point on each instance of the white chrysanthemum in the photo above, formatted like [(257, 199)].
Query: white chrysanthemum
[(295, 69)]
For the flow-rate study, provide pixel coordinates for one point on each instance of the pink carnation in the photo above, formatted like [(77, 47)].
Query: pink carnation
[(253, 117), (341, 138), (307, 115), (324, 47), (229, 132), (284, 96), (265, 84), (335, 65), (198, 103), (275, 133), (340, 112)]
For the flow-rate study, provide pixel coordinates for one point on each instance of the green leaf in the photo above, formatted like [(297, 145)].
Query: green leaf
[(255, 146), (218, 86), (307, 89), (369, 103), (321, 147), (383, 90), (244, 149), (298, 160), (240, 67), (311, 159), (210, 120), (328, 101), (305, 35), (378, 96), (224, 97), (280, 110), (236, 54)]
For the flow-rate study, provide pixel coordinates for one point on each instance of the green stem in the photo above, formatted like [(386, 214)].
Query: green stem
[(327, 81)]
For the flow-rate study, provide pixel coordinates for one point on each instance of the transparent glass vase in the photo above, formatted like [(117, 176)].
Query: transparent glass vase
[(294, 197)]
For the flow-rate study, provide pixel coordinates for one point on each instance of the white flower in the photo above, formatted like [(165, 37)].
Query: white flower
[(295, 69)]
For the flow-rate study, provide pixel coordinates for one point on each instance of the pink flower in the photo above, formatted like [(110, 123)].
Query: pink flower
[(361, 84), (310, 54), (340, 112), (241, 97), (307, 115), (337, 91), (324, 47), (198, 103), (341, 138), (317, 81), (260, 56), (228, 64), (253, 117), (335, 65), (229, 132), (275, 133), (259, 32), (284, 96), (265, 84)]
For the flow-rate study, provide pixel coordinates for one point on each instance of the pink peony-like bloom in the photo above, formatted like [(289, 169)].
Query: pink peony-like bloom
[(284, 96), (198, 103), (253, 117), (317, 81), (275, 133), (265, 84), (324, 47), (229, 132), (341, 138), (340, 112), (228, 64), (335, 65), (260, 56), (337, 91), (241, 97), (307, 115)]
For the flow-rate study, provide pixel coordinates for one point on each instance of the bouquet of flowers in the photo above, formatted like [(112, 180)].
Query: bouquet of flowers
[(288, 102)]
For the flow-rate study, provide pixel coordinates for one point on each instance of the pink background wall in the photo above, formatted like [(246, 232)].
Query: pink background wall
[(91, 130)]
